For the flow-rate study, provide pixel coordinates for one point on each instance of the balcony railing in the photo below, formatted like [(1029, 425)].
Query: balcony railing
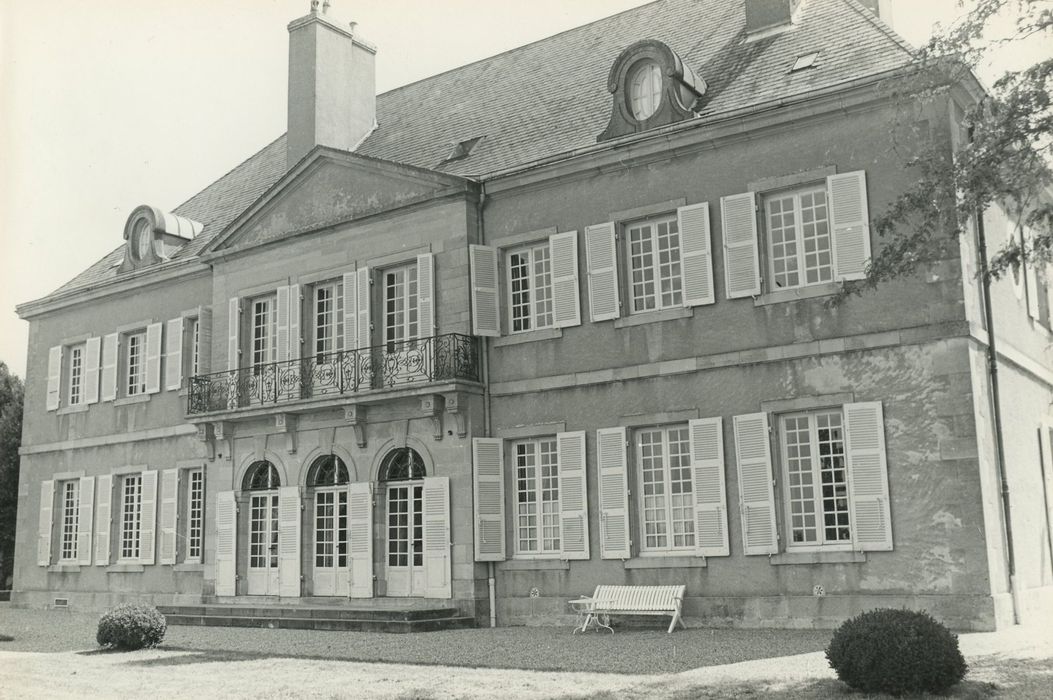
[(438, 358)]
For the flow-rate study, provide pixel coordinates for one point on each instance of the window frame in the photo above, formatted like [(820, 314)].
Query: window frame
[(193, 518), (626, 265), (335, 287), (766, 249), (127, 386), (129, 530), (268, 351), (77, 366), (409, 286), (191, 347), (532, 275), (69, 521), (639, 517), (538, 489)]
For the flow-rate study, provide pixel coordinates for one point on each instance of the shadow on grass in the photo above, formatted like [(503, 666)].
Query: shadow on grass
[(202, 657)]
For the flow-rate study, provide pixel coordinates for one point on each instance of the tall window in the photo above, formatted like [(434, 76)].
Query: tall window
[(530, 287), (799, 248), (654, 264), (76, 374), (537, 497), (645, 90), (70, 515), (195, 513), (813, 453), (136, 359), (401, 322), (663, 464), (131, 502), (194, 334), (264, 332), (328, 319)]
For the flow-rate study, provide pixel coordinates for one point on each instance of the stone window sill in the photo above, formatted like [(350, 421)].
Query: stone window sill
[(79, 408), (529, 337), (797, 293), (653, 317), (189, 566), (784, 558), (125, 569), (534, 565), (666, 563), (64, 568), (138, 398)]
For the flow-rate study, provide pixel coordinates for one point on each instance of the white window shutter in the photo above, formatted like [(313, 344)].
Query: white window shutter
[(489, 477), (85, 511), (486, 309), (233, 326), (614, 493), (92, 357), (108, 379), (54, 377), (362, 308), (707, 467), (566, 299), (849, 224), (174, 354), (573, 496), (282, 341), (868, 500), (226, 532), (756, 495), (601, 258), (204, 340), (289, 541), (1031, 280), (294, 322), (360, 538), (437, 565), (153, 357), (104, 489), (169, 512), (696, 254), (738, 213), (148, 518), (350, 311), (426, 294), (47, 521)]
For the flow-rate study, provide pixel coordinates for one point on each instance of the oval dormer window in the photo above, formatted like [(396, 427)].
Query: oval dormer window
[(142, 239), (645, 89)]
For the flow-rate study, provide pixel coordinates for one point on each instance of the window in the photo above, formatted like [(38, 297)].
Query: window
[(328, 319), (799, 242), (136, 364), (76, 374), (70, 514), (663, 472), (264, 332), (194, 513), (816, 492), (654, 264), (530, 287), (193, 334), (645, 90), (401, 322), (537, 496), (131, 503)]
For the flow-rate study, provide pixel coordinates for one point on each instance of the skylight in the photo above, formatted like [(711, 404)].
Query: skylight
[(803, 61)]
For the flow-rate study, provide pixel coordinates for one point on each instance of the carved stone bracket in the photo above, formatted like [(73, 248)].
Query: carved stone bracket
[(287, 424), (205, 435), (356, 416), (224, 433), (432, 406), (455, 408)]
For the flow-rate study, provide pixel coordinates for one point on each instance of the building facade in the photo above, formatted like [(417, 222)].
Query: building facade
[(567, 326)]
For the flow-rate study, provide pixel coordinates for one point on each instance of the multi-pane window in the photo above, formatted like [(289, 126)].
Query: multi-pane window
[(667, 506), (537, 497), (136, 364), (654, 264), (194, 335), (328, 319), (530, 287), (401, 320), (76, 375), (131, 503), (264, 332), (330, 516), (813, 454), (195, 513), (645, 90), (799, 243), (70, 514)]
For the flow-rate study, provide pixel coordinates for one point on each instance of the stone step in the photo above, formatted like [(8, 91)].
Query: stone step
[(310, 612), (323, 623)]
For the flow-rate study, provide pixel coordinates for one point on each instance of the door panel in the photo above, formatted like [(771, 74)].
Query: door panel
[(331, 577), (263, 544), (405, 553)]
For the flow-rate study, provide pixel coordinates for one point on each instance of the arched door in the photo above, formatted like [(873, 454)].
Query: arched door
[(403, 472), (262, 483), (328, 478)]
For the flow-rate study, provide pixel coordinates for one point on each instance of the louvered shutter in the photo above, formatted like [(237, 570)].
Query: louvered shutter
[(489, 473), (360, 538), (104, 489), (108, 379), (566, 301), (282, 340), (85, 511), (148, 518), (849, 224), (741, 245), (169, 511), (868, 500), (153, 357), (204, 341), (707, 469), (350, 311), (756, 494), (289, 541), (614, 493), (362, 308), (47, 521), (426, 294), (226, 532), (437, 564), (295, 308), (573, 496), (92, 356), (601, 258), (486, 309), (696, 254), (174, 354), (1031, 280), (54, 377), (233, 326)]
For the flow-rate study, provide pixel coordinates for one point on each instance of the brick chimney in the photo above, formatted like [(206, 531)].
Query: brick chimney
[(332, 85), (769, 14)]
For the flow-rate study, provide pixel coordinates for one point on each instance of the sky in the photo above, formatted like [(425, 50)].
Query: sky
[(109, 104)]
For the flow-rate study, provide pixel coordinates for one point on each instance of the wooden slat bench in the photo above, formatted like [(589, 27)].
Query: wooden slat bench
[(635, 600)]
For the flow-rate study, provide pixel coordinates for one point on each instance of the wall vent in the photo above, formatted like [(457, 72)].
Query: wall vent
[(61, 602)]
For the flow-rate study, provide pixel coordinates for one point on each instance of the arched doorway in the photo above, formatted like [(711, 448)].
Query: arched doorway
[(262, 483), (402, 472), (328, 479)]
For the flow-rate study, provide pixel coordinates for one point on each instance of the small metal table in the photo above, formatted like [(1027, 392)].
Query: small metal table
[(591, 611)]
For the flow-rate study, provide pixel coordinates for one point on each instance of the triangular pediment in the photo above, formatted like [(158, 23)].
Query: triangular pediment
[(328, 187)]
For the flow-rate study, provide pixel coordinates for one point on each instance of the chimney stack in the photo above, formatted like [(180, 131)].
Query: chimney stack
[(768, 14), (332, 85)]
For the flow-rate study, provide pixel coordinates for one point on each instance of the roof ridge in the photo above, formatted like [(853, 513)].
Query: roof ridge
[(229, 172), (882, 26)]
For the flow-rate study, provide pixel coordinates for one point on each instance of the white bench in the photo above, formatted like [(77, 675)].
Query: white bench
[(632, 600)]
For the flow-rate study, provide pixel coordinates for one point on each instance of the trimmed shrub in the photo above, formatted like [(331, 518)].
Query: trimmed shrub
[(896, 652), (131, 626)]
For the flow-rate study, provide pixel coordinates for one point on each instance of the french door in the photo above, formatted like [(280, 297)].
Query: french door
[(331, 575), (405, 359), (263, 576), (405, 553)]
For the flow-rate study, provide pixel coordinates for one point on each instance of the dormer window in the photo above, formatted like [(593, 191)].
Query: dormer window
[(153, 236), (645, 89), (142, 239)]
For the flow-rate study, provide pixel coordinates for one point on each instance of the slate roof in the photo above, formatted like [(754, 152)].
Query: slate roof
[(550, 97)]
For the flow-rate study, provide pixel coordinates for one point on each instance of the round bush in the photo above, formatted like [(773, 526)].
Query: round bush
[(131, 626), (896, 652)]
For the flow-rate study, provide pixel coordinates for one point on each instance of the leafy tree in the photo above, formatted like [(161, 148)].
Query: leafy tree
[(11, 394), (1005, 160)]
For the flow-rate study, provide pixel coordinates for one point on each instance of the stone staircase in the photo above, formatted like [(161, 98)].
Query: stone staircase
[(310, 617)]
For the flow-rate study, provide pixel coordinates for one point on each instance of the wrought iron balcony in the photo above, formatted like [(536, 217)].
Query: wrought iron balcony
[(438, 358)]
